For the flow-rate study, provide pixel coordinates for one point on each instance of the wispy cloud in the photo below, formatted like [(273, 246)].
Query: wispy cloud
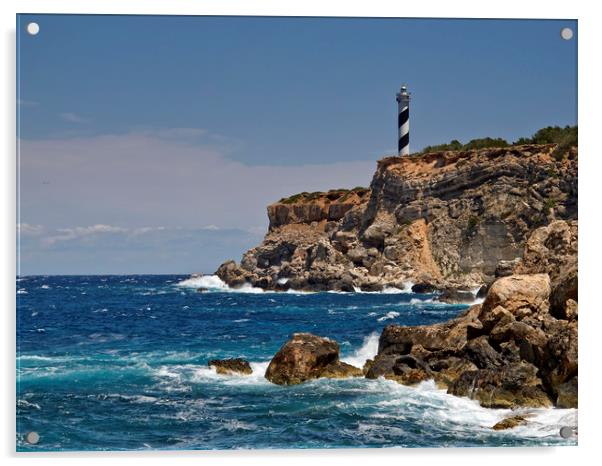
[(29, 230), (27, 103), (145, 190), (67, 234), (73, 117)]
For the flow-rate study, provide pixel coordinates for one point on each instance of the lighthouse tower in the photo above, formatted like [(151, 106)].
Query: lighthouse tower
[(403, 121)]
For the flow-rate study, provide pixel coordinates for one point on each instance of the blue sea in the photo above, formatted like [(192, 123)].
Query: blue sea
[(120, 363)]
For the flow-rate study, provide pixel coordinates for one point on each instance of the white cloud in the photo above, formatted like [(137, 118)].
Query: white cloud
[(67, 234), (73, 117), (145, 179), (29, 230)]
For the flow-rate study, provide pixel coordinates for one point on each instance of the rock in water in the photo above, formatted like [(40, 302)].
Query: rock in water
[(306, 357), (453, 296), (510, 422), (231, 366)]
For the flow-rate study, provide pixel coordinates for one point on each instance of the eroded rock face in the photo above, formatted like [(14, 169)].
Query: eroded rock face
[(231, 366), (508, 352), (446, 220), (305, 357), (553, 250)]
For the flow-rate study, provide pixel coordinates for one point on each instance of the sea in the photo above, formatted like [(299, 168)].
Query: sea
[(120, 363)]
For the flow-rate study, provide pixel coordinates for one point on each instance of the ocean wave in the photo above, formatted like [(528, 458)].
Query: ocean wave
[(367, 351), (388, 315), (214, 283)]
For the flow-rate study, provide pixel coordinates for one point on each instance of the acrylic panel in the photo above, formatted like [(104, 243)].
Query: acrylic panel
[(412, 283)]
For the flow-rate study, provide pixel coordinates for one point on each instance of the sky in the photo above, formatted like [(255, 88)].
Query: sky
[(153, 144)]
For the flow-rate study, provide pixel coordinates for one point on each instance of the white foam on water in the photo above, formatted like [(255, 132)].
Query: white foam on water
[(388, 315), (367, 351), (45, 287), (214, 283), (211, 282), (437, 407), (22, 291), (415, 301)]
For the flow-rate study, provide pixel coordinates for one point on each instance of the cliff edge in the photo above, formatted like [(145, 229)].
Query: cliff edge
[(444, 219)]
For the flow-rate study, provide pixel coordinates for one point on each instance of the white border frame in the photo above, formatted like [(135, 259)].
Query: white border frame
[(590, 77)]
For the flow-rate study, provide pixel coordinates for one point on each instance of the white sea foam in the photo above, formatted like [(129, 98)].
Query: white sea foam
[(388, 315), (367, 351), (45, 287), (214, 283)]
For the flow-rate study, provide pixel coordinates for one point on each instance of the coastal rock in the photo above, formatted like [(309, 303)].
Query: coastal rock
[(511, 386), (567, 394), (553, 250), (510, 422), (341, 370), (506, 353), (454, 296), (518, 292), (305, 357), (231, 366)]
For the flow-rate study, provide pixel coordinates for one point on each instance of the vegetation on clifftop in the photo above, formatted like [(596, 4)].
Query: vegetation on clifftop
[(564, 137), (339, 195)]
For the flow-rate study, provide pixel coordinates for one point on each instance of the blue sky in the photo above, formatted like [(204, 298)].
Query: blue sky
[(187, 127)]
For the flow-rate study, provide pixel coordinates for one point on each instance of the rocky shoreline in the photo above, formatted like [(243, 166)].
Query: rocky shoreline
[(500, 221), (518, 349)]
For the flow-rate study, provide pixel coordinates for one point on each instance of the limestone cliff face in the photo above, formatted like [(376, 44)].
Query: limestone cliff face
[(445, 218)]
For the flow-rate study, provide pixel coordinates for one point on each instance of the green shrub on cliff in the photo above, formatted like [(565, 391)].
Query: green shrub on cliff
[(565, 137)]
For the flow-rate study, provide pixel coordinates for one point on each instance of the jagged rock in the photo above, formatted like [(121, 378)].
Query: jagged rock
[(341, 370), (490, 319), (424, 288), (482, 291), (446, 371), (231, 273), (511, 386), (306, 357), (510, 422), (567, 394), (482, 354), (452, 334), (570, 310), (553, 250), (231, 366), (452, 296), (505, 268)]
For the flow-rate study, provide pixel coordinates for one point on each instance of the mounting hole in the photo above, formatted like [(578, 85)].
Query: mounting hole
[(32, 438), (566, 33), (567, 432), (33, 29)]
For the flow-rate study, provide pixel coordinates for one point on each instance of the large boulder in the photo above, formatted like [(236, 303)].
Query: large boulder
[(518, 292), (305, 357), (232, 274), (447, 335), (552, 249)]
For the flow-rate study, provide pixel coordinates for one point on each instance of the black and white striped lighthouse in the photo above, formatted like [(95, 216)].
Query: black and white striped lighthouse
[(403, 121)]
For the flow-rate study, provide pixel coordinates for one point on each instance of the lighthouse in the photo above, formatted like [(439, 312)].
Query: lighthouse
[(403, 121)]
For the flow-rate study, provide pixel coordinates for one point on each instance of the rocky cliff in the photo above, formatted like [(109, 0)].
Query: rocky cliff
[(446, 219), (519, 348)]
